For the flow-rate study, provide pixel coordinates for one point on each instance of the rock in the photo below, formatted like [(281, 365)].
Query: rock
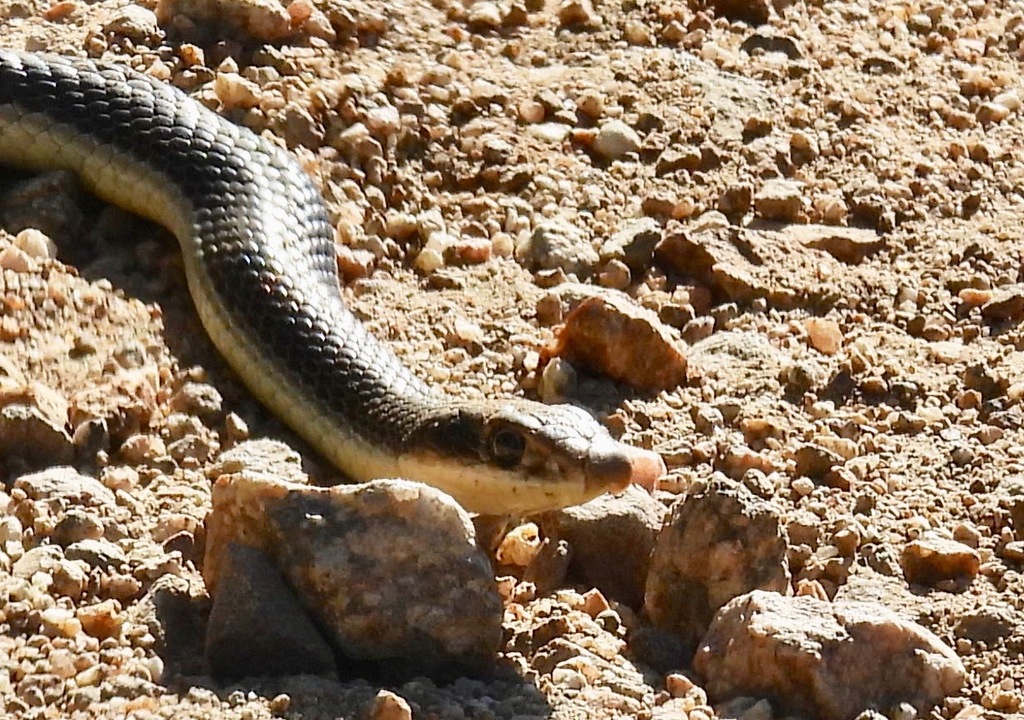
[(44, 558), (780, 200), (254, 595), (97, 554), (484, 15), (633, 243), (102, 620), (136, 23), (755, 12), (845, 244), (557, 244), (610, 334), (824, 660), (33, 420), (76, 525), (389, 570), (50, 203), (1006, 305), (932, 559), (269, 458), (825, 336), (770, 40), (611, 540), (175, 611), (1011, 498), (735, 199), (814, 461), (66, 484), (988, 624), (719, 542), (236, 92), (549, 567), (615, 139), (578, 13), (261, 20), (745, 265), (388, 706)]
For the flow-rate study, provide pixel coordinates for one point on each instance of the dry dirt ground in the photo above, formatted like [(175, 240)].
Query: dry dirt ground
[(480, 122)]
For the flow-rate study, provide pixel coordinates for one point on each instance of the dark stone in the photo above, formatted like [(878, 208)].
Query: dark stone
[(257, 626)]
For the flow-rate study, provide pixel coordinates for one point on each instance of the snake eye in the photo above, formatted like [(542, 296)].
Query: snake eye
[(507, 447)]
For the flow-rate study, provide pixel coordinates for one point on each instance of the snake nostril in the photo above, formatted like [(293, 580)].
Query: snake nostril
[(610, 470), (615, 468)]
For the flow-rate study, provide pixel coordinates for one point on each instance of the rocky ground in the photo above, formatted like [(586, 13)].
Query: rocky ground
[(816, 204)]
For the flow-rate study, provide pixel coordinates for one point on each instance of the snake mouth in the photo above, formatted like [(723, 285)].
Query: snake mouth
[(616, 467)]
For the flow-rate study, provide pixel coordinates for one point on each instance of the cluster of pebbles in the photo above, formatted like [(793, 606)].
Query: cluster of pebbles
[(778, 244)]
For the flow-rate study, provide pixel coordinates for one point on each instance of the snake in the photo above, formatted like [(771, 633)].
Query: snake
[(261, 267)]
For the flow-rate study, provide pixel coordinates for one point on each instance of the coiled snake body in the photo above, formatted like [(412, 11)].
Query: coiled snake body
[(260, 262)]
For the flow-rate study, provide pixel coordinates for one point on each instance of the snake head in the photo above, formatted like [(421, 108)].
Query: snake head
[(524, 457)]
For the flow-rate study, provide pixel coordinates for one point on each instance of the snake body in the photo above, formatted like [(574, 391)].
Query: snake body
[(259, 258)]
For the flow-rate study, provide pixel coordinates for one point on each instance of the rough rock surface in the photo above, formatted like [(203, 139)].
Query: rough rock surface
[(826, 660), (719, 542), (612, 336), (931, 559), (611, 540), (388, 570), (257, 626)]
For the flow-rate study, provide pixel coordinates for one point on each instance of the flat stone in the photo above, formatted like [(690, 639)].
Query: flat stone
[(261, 20), (67, 484), (747, 264), (633, 243), (97, 553), (254, 595), (780, 200), (824, 660), (1007, 304), (848, 245), (615, 139)]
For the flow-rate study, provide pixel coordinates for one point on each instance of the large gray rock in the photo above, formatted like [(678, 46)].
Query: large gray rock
[(389, 570), (824, 660), (719, 542)]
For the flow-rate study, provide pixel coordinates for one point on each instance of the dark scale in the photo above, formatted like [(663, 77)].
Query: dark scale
[(326, 348)]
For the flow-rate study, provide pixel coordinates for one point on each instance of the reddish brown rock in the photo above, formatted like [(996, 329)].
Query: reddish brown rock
[(824, 660), (265, 20), (780, 200), (611, 335), (932, 559), (755, 12), (64, 485), (825, 336)]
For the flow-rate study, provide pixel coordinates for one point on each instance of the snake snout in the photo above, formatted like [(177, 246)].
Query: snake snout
[(616, 467)]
